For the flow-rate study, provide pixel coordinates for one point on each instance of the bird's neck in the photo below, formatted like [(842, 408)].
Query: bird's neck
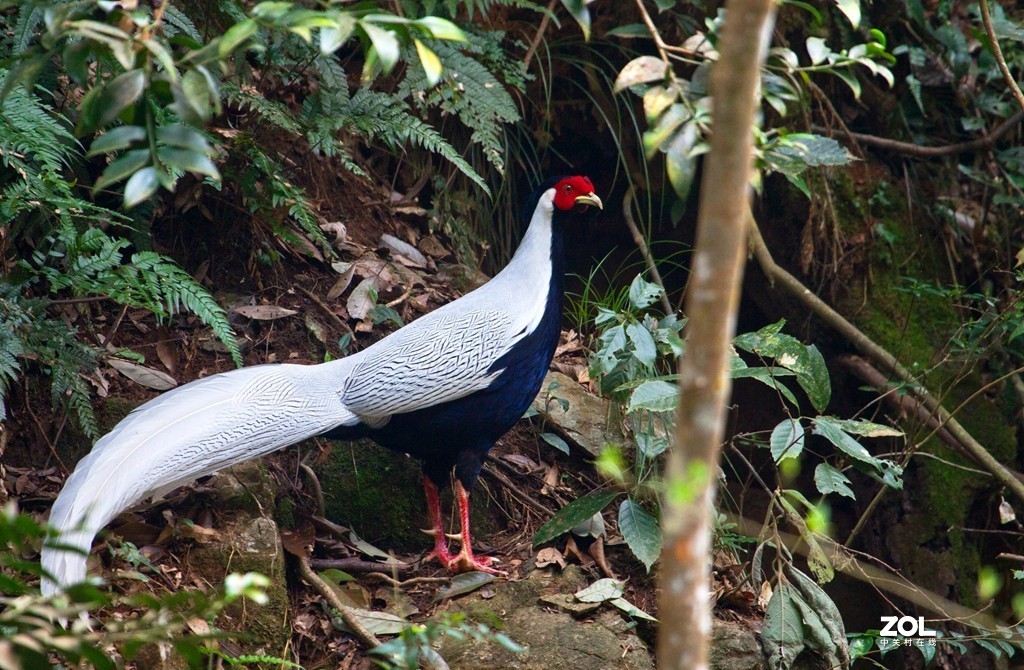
[(538, 266)]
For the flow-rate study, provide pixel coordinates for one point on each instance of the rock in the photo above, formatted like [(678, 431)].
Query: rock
[(585, 423), (552, 637), (248, 541), (734, 646)]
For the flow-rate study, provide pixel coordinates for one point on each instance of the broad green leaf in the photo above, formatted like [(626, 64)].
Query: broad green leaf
[(573, 514), (680, 164), (654, 396), (829, 480), (163, 56), (140, 186), (235, 36), (118, 94), (645, 349), (827, 428), (183, 137), (787, 440), (641, 532), (640, 70), (556, 442), (385, 43), (782, 633), (442, 29), (656, 100), (851, 9), (642, 293), (189, 161), (629, 30), (430, 62), (127, 164), (578, 10), (815, 380), (116, 139), (851, 80), (817, 49), (600, 591), (827, 631), (332, 37), (768, 376), (656, 137), (651, 446)]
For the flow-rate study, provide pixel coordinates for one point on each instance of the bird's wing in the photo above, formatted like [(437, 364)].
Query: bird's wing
[(430, 361)]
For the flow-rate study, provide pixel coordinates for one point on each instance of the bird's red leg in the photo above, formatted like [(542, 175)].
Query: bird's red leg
[(465, 561), (440, 551)]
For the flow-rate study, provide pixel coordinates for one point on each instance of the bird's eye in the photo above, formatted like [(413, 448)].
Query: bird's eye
[(568, 188)]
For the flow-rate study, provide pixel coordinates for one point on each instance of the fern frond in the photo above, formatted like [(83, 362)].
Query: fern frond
[(271, 111), (379, 116)]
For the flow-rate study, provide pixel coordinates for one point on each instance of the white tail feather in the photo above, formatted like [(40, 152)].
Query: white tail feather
[(186, 433)]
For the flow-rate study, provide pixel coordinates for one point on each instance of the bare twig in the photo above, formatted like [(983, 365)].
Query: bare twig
[(328, 594), (358, 565), (541, 29), (318, 491), (516, 491), (933, 152), (326, 309), (645, 251), (997, 51)]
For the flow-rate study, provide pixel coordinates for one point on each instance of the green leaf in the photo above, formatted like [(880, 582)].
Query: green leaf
[(629, 30), (235, 36), (829, 480), (851, 9), (600, 591), (817, 49), (189, 161), (630, 609), (680, 164), (866, 428), (385, 43), (645, 349), (122, 168), (782, 633), (666, 126), (116, 139), (656, 396), (573, 514), (140, 186), (831, 431), (642, 293), (787, 440), (332, 37), (183, 137), (768, 377), (117, 95), (578, 10), (442, 29), (430, 62), (641, 532), (556, 442), (814, 379)]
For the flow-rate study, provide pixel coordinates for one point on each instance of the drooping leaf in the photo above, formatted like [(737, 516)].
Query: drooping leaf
[(556, 442), (782, 633), (645, 349), (430, 62), (641, 532), (573, 514), (829, 480), (578, 10), (831, 431), (116, 139), (148, 377), (850, 9), (787, 440)]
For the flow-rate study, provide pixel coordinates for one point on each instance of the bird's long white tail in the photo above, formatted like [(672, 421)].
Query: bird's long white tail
[(186, 433)]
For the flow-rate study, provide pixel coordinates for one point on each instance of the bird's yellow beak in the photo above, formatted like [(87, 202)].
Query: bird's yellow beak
[(589, 199)]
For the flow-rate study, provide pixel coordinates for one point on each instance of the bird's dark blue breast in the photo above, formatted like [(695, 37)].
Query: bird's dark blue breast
[(460, 433)]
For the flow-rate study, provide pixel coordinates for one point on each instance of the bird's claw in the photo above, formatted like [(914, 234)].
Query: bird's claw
[(467, 562)]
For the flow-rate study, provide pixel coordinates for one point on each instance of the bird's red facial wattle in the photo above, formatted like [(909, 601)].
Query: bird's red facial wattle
[(573, 191)]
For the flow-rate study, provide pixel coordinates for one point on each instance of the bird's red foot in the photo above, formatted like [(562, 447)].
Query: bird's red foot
[(465, 561)]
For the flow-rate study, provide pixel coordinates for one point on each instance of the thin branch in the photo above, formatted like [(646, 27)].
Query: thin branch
[(541, 29), (919, 151), (645, 251), (997, 51), (346, 612)]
